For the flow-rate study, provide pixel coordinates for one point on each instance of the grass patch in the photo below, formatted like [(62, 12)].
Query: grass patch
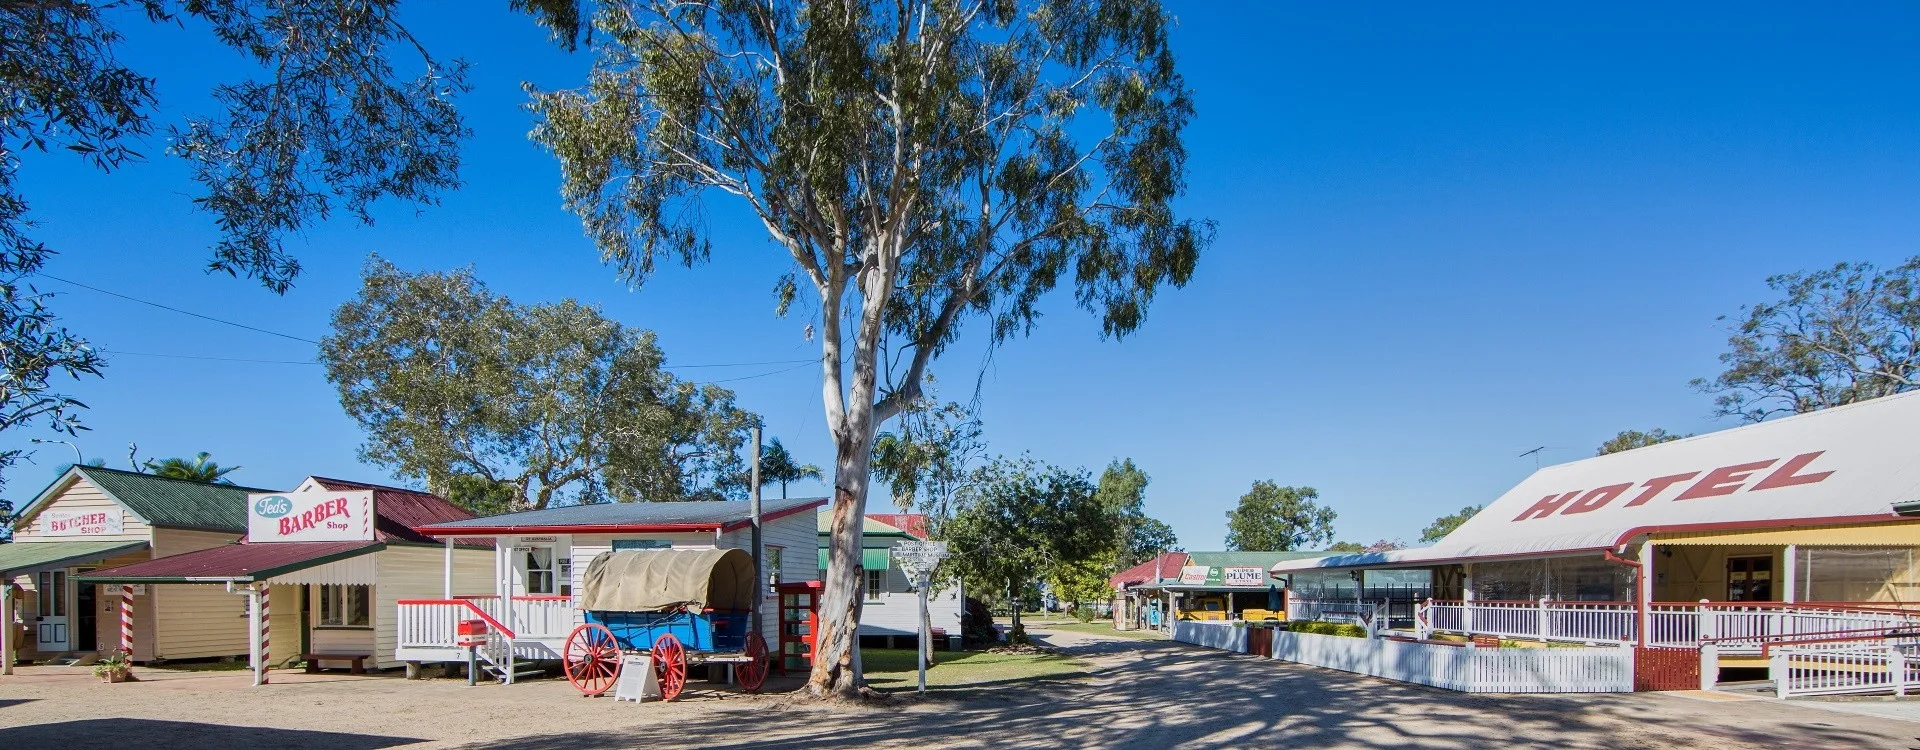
[(897, 668), (1327, 628), (1105, 628), (217, 665)]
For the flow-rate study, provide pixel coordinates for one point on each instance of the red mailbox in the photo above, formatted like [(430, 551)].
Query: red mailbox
[(471, 633)]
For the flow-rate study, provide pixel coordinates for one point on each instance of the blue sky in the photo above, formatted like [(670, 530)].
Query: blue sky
[(1445, 237)]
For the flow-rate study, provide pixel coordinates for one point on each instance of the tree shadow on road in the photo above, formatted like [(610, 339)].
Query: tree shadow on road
[(1177, 696), (120, 734)]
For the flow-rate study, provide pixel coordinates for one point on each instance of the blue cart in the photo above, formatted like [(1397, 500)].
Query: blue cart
[(678, 607)]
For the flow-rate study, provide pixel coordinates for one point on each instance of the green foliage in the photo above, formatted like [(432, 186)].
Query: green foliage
[(330, 122), (1445, 525), (1835, 336), (198, 469), (927, 458), (777, 465), (1080, 582), (448, 379), (483, 496), (1630, 439), (1346, 547), (1272, 518), (1083, 614), (1123, 490), (1318, 627), (1021, 522), (6, 521)]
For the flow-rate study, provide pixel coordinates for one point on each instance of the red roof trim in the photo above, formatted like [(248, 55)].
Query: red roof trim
[(1772, 523), (737, 525), (467, 531)]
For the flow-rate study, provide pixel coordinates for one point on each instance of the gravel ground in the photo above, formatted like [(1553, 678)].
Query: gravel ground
[(1142, 694)]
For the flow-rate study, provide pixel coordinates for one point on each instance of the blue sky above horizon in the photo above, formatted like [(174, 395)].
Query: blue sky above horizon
[(1446, 237)]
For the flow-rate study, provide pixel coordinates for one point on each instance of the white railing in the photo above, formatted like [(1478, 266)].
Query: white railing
[(543, 617), (431, 623), (1737, 627), (1815, 671)]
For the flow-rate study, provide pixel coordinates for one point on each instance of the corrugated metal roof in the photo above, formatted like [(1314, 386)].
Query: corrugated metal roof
[(175, 502), (1846, 464), (695, 513), (869, 526), (22, 556), (1163, 567), (1248, 559), (914, 524), (242, 562), (401, 510)]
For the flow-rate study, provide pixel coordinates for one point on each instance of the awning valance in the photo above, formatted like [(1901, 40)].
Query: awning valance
[(871, 558), (26, 557), (240, 563)]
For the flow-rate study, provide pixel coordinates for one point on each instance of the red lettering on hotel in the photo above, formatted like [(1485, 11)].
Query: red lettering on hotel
[(1725, 480)]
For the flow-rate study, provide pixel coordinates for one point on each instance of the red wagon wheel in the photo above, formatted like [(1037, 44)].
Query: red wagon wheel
[(670, 664), (753, 673), (592, 659)]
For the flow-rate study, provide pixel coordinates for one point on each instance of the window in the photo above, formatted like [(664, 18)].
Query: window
[(620, 544), (772, 563), (539, 563), (876, 584), (344, 606), (1858, 574), (1749, 579)]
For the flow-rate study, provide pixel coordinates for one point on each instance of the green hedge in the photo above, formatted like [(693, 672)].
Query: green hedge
[(1327, 628)]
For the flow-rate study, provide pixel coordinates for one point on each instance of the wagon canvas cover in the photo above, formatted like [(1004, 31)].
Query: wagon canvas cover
[(662, 580)]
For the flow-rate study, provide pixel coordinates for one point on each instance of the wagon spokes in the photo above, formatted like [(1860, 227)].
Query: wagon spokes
[(753, 673), (592, 659), (670, 664)]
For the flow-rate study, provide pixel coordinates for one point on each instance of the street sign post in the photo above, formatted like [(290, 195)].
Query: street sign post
[(917, 559)]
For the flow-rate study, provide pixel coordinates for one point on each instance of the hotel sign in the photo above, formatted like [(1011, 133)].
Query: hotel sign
[(312, 516)]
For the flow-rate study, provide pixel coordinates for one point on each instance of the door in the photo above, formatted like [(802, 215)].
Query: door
[(86, 615), (1750, 579), (50, 618)]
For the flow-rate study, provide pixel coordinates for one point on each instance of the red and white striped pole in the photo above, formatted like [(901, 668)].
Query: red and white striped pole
[(126, 619), (266, 628)]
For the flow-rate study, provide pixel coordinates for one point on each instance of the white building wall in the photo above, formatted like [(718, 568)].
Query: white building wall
[(896, 611)]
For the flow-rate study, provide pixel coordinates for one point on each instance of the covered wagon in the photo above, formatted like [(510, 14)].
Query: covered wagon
[(678, 606)]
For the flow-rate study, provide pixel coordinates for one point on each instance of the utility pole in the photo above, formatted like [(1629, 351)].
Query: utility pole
[(753, 502)]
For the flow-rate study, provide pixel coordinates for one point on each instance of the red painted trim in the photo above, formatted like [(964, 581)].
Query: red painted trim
[(1775, 523), (737, 525), (583, 529), (471, 607), (1642, 591), (1871, 634)]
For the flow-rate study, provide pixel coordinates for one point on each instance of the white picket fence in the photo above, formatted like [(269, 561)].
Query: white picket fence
[(1604, 669), (1739, 627)]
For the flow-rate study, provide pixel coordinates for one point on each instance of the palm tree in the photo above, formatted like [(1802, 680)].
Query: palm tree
[(200, 469), (777, 465)]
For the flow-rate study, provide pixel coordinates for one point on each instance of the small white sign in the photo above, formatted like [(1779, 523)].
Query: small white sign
[(1193, 574), (310, 516), (637, 680), (1244, 576), (80, 522)]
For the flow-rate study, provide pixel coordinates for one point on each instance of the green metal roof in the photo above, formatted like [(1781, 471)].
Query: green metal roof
[(174, 502), (1246, 559), (20, 557), (870, 528), (871, 558)]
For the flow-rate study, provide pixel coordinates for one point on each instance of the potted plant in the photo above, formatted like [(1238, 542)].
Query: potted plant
[(116, 666)]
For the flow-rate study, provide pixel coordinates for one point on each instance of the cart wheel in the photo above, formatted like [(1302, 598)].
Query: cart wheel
[(670, 663), (754, 672), (593, 659)]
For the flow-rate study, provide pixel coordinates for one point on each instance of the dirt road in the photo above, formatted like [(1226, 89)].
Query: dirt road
[(1145, 694)]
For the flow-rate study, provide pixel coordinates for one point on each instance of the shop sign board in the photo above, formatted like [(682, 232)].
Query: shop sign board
[(316, 515), (81, 522), (1245, 576), (1194, 574)]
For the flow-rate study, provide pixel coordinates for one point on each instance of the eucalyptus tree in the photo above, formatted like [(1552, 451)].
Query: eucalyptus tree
[(1630, 439), (922, 163), (488, 400), (335, 107), (1273, 518), (1835, 336)]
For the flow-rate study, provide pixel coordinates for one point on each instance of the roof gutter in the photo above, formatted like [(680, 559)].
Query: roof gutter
[(1778, 523), (599, 528), (741, 524)]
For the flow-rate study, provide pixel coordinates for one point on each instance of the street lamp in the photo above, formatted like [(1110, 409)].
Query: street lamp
[(77, 458)]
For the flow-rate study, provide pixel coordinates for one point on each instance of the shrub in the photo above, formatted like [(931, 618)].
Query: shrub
[(976, 622), (1083, 614), (1327, 628)]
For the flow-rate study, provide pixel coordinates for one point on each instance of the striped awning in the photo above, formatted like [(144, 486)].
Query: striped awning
[(871, 558)]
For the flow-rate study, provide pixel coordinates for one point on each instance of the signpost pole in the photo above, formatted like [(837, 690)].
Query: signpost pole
[(6, 627), (918, 559), (925, 637)]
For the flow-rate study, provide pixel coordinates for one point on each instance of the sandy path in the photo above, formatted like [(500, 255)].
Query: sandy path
[(1146, 694)]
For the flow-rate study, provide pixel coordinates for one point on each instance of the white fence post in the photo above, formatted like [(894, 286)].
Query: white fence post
[(1704, 628), (1543, 618), (1777, 669), (1709, 665), (1897, 664)]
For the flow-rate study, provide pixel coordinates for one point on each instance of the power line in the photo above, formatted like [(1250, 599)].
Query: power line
[(743, 364), (761, 375), (176, 309), (213, 359)]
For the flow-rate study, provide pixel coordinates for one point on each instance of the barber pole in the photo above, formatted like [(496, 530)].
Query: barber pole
[(266, 629), (126, 619)]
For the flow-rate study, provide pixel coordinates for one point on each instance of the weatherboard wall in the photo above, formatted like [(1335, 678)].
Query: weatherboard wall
[(81, 495), (197, 620), (407, 571)]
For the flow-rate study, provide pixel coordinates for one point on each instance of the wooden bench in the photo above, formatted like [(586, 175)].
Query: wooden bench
[(359, 661)]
